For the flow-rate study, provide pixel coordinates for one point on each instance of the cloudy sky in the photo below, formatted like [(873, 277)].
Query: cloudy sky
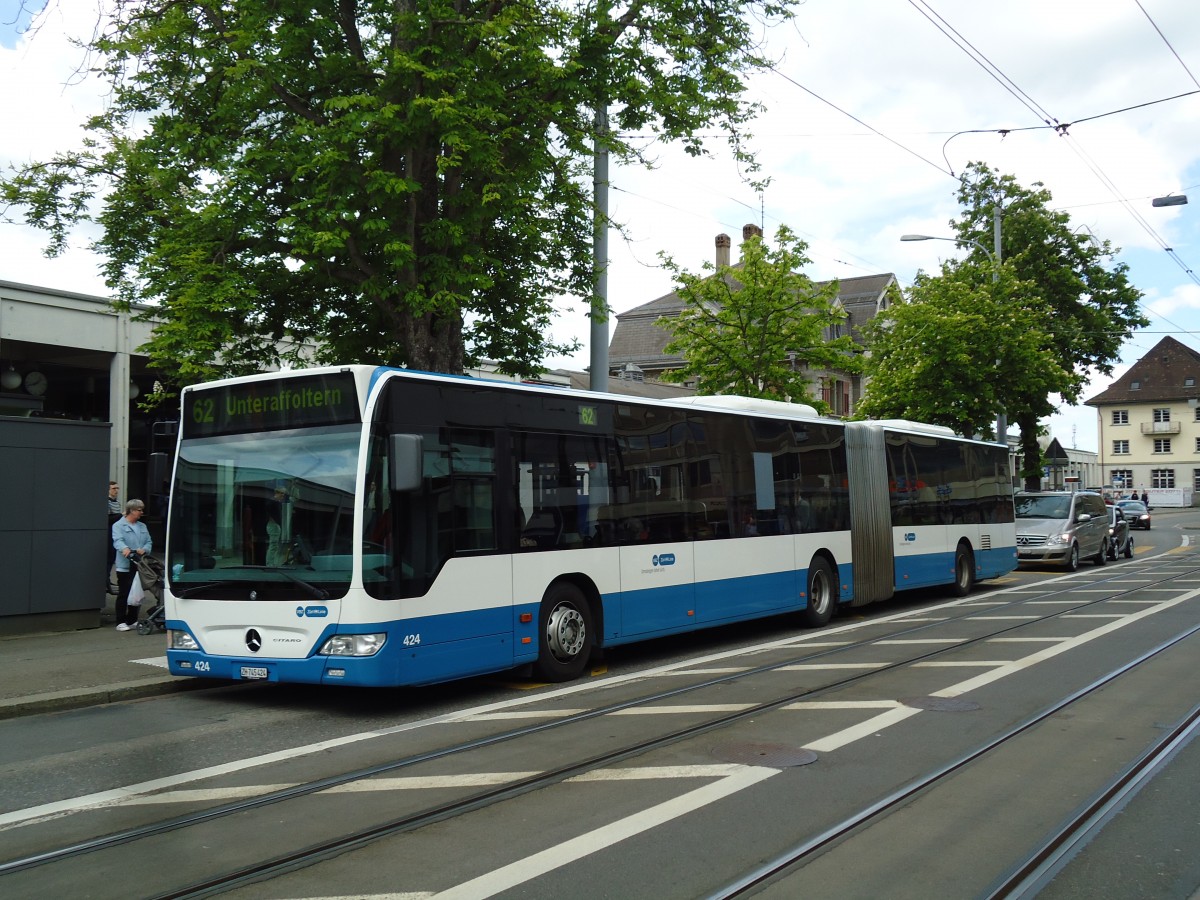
[(872, 108)]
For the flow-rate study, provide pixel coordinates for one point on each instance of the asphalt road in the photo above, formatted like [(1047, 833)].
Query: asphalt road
[(687, 816)]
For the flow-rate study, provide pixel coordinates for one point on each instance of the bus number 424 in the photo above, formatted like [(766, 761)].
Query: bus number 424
[(412, 640)]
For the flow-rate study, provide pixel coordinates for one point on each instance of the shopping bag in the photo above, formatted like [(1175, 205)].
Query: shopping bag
[(136, 591)]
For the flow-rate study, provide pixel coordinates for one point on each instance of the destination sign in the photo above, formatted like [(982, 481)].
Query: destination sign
[(271, 405)]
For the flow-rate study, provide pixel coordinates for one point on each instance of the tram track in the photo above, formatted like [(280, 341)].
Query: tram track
[(481, 799), (1028, 870)]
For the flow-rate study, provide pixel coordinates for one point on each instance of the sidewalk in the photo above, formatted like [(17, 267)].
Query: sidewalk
[(72, 669)]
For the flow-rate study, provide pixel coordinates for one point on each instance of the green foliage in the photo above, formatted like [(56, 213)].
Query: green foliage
[(962, 348), (752, 328), (1091, 309), (956, 350), (400, 182)]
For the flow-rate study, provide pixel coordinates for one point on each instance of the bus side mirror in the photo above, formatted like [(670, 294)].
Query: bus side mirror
[(405, 462)]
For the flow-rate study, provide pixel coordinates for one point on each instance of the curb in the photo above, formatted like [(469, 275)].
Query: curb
[(59, 701)]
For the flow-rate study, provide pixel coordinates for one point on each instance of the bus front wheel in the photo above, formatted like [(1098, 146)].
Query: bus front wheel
[(822, 594), (564, 633)]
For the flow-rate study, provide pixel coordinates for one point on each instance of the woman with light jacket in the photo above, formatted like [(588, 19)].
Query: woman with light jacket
[(131, 539)]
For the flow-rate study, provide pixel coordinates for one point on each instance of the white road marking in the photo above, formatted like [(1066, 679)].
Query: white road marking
[(642, 773), (844, 704), (905, 641), (512, 715), (1004, 618), (124, 794), (965, 663), (1025, 640), (717, 670), (1052, 602), (567, 852), (428, 782), (698, 708), (854, 733), (1094, 615), (830, 667), (159, 662)]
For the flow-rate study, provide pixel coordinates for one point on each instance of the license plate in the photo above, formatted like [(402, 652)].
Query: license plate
[(254, 673)]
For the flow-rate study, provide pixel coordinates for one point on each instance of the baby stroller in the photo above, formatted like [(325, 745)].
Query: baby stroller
[(150, 572)]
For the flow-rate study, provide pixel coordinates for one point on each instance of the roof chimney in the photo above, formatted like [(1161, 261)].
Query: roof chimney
[(723, 243), (749, 231)]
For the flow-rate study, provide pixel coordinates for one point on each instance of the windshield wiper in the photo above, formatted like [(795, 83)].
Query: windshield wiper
[(198, 587), (311, 589)]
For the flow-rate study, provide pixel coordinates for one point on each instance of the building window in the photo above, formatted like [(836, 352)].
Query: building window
[(1189, 381), (1198, 445), (1120, 447), (1198, 413), (1121, 416), (1162, 415), (1196, 479), (1135, 385), (1162, 478), (1162, 445), (1122, 478)]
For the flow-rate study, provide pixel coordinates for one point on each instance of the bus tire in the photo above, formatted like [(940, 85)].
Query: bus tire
[(564, 633), (964, 571), (822, 594)]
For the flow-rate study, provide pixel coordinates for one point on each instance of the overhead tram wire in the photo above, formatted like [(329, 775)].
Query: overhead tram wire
[(983, 62), (1045, 116), (1168, 43), (873, 130)]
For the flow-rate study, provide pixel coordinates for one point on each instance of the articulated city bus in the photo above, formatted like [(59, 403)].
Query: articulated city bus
[(372, 526)]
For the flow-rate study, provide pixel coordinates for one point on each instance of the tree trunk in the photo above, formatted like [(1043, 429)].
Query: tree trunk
[(1031, 454)]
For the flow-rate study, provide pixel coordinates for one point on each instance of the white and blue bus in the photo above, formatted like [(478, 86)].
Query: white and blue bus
[(373, 526)]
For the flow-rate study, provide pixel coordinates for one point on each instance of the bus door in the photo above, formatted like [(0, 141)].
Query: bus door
[(657, 563)]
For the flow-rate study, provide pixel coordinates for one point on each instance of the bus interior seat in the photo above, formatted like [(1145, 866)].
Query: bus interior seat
[(544, 527)]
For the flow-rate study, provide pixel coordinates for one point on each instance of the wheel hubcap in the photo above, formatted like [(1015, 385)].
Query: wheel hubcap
[(819, 594), (565, 632)]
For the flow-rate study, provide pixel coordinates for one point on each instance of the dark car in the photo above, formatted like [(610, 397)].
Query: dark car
[(1136, 512), (1120, 538)]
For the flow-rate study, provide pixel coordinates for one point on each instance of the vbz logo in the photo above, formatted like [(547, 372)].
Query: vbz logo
[(910, 537), (663, 559)]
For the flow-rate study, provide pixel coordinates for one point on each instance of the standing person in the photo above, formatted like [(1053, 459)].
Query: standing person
[(130, 538), (114, 514), (1145, 498)]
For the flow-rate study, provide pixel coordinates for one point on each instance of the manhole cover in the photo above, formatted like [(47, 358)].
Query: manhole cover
[(940, 704), (777, 756)]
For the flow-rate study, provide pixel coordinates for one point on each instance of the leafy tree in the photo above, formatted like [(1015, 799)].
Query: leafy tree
[(751, 328), (1089, 307), (404, 181), (958, 349)]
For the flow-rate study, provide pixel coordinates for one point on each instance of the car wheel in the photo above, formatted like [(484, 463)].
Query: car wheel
[(1073, 558), (1101, 557), (1129, 548)]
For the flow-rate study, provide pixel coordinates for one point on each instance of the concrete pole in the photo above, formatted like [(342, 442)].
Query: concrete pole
[(598, 380)]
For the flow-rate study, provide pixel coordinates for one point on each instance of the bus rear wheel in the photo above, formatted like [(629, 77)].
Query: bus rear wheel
[(564, 633), (822, 594), (964, 571)]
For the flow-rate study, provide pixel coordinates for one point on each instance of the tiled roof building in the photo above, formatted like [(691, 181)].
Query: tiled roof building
[(1150, 425), (638, 346)]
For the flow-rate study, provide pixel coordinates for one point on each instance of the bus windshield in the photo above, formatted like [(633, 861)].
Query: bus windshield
[(273, 509)]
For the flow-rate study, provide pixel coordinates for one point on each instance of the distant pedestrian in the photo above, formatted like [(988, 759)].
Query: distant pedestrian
[(1145, 497), (130, 538), (114, 514)]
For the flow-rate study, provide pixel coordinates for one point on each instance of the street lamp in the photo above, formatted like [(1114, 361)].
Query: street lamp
[(994, 256), (1170, 200)]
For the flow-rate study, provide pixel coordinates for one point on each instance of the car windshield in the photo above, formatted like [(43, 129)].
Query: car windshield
[(1042, 507), (1136, 507)]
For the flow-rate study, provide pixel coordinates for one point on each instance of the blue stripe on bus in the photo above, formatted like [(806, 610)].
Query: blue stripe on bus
[(499, 640)]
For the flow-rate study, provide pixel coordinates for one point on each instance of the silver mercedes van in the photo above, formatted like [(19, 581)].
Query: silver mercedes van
[(1060, 528)]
